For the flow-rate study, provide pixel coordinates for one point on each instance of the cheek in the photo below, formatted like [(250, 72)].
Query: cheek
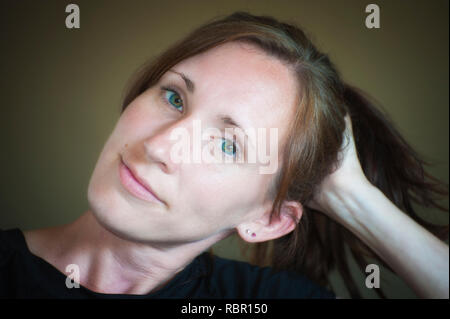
[(131, 118), (221, 196), (141, 115)]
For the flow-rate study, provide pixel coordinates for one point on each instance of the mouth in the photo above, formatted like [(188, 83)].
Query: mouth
[(135, 185)]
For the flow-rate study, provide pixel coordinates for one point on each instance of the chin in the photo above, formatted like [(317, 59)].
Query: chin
[(115, 215), (104, 205), (110, 220)]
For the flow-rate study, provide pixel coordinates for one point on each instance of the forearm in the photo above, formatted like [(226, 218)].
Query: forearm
[(415, 254)]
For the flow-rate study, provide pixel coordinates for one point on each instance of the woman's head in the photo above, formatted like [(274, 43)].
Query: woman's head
[(262, 74), (258, 72)]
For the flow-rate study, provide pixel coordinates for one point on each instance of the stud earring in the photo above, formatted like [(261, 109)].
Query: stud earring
[(248, 232)]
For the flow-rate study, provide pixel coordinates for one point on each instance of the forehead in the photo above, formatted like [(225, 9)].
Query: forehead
[(243, 81)]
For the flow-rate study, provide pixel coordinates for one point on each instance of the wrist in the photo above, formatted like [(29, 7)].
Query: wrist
[(349, 201), (347, 191)]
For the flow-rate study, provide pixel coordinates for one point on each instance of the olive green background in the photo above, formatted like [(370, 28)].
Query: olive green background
[(61, 89)]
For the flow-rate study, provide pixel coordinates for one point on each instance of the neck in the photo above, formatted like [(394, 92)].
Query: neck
[(110, 264)]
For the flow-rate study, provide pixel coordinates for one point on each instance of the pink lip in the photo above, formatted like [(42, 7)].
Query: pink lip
[(132, 184)]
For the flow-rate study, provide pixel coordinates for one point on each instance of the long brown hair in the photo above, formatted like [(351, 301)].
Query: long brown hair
[(318, 244)]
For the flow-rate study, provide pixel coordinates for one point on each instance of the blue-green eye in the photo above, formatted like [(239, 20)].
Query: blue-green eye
[(174, 99), (228, 148)]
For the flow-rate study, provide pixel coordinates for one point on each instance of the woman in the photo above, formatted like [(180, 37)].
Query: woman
[(343, 176)]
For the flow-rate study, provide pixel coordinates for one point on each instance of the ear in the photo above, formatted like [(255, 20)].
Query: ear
[(262, 229)]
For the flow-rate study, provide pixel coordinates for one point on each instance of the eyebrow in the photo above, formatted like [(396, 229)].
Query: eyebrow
[(189, 83), (225, 119)]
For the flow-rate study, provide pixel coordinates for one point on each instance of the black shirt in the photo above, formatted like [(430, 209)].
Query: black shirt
[(25, 275)]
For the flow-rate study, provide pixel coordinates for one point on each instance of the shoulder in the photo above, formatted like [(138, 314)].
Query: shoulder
[(11, 252), (17, 241), (11, 241), (22, 273), (18, 247), (237, 279)]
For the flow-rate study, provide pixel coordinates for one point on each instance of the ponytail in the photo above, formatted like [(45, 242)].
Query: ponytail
[(391, 164)]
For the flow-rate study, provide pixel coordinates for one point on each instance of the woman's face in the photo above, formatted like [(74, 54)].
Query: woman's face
[(199, 199)]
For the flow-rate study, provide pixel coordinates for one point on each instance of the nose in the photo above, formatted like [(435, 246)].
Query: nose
[(160, 145)]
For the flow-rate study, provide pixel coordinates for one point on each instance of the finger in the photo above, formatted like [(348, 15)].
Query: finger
[(348, 123)]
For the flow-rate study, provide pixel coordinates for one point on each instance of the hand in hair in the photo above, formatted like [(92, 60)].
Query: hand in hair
[(347, 173), (413, 252)]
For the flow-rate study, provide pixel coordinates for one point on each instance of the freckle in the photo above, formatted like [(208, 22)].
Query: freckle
[(126, 145)]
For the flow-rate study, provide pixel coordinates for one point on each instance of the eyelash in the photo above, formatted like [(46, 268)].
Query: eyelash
[(166, 89)]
